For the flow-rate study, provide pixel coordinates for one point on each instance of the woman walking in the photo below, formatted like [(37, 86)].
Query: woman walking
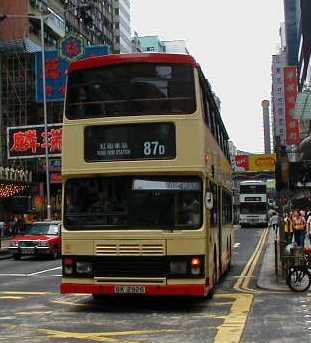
[(299, 224), (288, 228)]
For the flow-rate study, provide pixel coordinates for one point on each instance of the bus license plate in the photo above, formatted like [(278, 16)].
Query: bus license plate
[(130, 290)]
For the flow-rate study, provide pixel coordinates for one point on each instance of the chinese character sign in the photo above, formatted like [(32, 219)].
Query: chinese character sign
[(31, 141), (291, 90), (242, 162), (56, 65)]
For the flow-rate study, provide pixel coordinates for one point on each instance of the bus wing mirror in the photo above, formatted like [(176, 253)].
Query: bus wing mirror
[(209, 200)]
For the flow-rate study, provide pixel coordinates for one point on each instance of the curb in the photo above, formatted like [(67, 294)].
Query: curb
[(277, 288)]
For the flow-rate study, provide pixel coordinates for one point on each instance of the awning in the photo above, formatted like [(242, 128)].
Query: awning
[(303, 106)]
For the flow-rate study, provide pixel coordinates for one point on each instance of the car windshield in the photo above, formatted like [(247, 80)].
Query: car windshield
[(130, 89), (42, 229), (133, 202)]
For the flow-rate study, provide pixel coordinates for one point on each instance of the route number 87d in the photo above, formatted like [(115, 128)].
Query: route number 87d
[(153, 148)]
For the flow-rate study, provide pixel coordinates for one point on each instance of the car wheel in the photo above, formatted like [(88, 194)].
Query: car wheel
[(16, 256), (54, 254)]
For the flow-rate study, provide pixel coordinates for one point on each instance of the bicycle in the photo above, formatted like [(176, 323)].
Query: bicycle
[(298, 275)]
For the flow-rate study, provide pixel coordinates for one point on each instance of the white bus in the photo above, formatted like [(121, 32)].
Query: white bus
[(253, 203)]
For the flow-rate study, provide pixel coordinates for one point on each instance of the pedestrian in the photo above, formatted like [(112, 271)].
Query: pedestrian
[(308, 227), (274, 221), (299, 224), (288, 228)]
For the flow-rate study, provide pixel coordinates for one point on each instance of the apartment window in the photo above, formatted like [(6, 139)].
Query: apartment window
[(116, 11)]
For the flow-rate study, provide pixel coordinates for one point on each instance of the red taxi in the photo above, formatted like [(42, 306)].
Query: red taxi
[(40, 238)]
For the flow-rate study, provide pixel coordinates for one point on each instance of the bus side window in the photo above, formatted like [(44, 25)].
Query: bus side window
[(214, 210)]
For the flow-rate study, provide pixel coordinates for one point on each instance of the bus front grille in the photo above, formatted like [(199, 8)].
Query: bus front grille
[(132, 266), (130, 249)]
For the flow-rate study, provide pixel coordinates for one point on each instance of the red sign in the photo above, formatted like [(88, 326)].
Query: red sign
[(242, 162), (31, 141), (56, 178), (291, 90)]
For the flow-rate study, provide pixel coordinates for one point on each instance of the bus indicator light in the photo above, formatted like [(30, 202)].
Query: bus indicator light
[(196, 262)]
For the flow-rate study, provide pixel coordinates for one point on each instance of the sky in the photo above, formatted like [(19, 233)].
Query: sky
[(233, 41)]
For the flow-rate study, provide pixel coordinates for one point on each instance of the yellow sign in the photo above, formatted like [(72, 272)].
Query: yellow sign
[(264, 162)]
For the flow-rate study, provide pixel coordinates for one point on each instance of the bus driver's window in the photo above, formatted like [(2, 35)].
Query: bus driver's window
[(191, 209)]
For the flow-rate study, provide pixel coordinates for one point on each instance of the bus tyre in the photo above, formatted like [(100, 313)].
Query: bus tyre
[(16, 256), (212, 290)]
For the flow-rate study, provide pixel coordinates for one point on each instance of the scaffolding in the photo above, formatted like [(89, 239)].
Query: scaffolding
[(17, 89)]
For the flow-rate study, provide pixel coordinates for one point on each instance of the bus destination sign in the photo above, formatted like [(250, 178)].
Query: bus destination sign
[(130, 142)]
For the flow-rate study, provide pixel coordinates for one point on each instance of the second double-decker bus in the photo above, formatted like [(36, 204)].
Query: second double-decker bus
[(253, 203), (147, 204)]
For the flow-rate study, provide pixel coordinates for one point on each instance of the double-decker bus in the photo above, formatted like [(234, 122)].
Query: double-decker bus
[(253, 203), (147, 203)]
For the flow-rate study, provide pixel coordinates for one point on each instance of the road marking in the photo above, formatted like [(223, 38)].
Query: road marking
[(13, 275), (236, 245), (243, 281), (33, 313), (10, 297), (44, 271), (232, 329), (103, 336), (26, 293)]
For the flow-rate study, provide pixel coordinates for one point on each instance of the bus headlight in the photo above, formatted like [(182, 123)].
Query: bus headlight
[(84, 268), (196, 264), (178, 267)]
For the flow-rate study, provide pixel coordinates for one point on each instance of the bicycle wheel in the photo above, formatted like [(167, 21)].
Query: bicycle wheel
[(299, 279)]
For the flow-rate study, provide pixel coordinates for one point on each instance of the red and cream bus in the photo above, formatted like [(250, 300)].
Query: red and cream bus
[(147, 203)]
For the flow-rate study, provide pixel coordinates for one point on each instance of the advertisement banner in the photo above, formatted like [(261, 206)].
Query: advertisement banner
[(56, 64), (242, 162), (262, 162), (30, 141), (290, 94)]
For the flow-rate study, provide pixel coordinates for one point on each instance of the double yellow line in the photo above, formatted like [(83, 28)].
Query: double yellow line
[(242, 284)]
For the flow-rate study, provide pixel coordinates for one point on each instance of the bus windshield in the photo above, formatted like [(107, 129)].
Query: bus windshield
[(253, 208), (130, 89), (253, 189), (133, 202)]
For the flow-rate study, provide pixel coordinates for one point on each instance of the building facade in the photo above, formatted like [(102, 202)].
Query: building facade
[(291, 14), (266, 125), (122, 26)]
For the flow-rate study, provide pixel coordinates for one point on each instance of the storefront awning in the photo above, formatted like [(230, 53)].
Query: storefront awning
[(303, 106)]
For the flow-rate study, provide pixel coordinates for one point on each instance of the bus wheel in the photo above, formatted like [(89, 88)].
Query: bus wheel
[(229, 249), (212, 290)]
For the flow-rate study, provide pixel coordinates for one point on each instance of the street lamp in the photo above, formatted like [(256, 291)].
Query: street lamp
[(42, 19)]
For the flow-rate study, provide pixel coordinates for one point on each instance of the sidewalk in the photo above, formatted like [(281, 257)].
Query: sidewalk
[(266, 277), (4, 251)]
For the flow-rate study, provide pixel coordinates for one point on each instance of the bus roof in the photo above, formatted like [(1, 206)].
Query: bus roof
[(99, 61)]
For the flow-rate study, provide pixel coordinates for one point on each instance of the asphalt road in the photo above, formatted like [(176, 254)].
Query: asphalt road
[(33, 310)]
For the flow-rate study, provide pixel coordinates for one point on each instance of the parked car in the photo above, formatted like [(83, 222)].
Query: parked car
[(40, 238)]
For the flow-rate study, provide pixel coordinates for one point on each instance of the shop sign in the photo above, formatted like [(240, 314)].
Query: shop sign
[(264, 162), (242, 162), (31, 141), (72, 48), (56, 178), (291, 90)]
